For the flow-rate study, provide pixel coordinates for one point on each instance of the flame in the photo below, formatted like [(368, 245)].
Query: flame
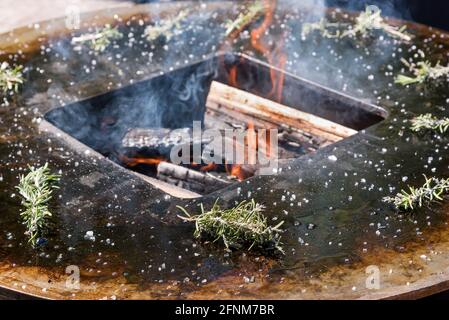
[(233, 76), (282, 57), (209, 167), (278, 58), (132, 162), (277, 77), (240, 171), (236, 171), (257, 33)]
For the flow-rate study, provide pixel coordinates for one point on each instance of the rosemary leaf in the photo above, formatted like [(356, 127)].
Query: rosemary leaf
[(167, 27), (422, 72), (99, 40), (429, 122), (371, 19), (327, 29), (243, 19), (243, 225), (10, 78), (431, 191), (36, 189)]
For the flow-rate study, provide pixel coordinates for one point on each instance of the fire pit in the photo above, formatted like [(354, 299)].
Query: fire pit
[(104, 121), (132, 125)]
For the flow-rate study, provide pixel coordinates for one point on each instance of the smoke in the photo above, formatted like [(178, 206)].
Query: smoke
[(177, 98)]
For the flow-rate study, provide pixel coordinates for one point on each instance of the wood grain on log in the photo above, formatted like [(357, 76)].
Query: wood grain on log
[(225, 97), (188, 178)]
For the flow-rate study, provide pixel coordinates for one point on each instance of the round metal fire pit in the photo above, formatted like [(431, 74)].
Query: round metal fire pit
[(122, 233)]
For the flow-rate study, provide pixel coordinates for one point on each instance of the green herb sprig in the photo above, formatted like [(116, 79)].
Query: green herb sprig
[(236, 227), (432, 190), (422, 72), (10, 78), (99, 40), (167, 27), (36, 189), (327, 29), (244, 18), (367, 21), (371, 19), (429, 122)]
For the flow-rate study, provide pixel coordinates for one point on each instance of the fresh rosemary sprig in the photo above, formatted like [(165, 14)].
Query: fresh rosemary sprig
[(167, 28), (327, 29), (429, 122), (243, 19), (99, 40), (432, 190), (36, 189), (422, 71), (10, 78), (371, 19), (242, 225)]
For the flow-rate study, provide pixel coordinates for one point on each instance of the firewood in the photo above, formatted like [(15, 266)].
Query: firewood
[(225, 97), (152, 138), (156, 143), (182, 176)]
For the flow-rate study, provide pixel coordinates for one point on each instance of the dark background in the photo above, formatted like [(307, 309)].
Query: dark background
[(430, 12)]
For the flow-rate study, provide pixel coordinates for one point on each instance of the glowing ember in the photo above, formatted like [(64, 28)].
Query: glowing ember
[(209, 167), (132, 162)]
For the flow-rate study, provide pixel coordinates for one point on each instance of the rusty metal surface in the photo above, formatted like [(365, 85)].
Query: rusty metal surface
[(143, 251), (17, 14)]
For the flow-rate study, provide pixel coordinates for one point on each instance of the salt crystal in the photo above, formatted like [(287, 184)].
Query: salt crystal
[(89, 236)]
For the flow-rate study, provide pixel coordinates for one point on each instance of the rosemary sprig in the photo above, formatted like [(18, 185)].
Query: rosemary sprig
[(243, 19), (99, 40), (36, 189), (10, 78), (167, 27), (327, 29), (429, 122), (432, 190), (422, 71), (371, 19), (238, 226)]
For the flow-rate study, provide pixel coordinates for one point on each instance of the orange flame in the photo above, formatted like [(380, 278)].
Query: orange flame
[(257, 33), (209, 167), (279, 87), (238, 171), (277, 77), (233, 76), (132, 162), (247, 170)]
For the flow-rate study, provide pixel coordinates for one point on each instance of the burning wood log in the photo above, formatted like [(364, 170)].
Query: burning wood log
[(223, 98), (139, 137), (188, 178), (157, 142)]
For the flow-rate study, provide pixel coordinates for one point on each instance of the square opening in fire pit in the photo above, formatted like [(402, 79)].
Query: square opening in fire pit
[(144, 126)]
